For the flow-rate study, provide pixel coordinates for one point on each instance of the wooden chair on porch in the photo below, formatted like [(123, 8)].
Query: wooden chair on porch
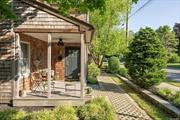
[(37, 82), (40, 81)]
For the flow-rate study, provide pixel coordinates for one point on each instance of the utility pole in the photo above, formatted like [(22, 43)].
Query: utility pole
[(127, 22)]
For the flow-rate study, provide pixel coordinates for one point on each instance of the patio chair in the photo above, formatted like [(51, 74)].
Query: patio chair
[(37, 82), (44, 78)]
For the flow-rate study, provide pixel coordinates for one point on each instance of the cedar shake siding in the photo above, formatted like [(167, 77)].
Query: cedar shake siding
[(7, 59), (32, 18)]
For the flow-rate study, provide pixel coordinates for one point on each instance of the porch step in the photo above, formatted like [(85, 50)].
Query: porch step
[(24, 102)]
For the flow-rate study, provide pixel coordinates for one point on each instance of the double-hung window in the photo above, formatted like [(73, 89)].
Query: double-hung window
[(24, 62)]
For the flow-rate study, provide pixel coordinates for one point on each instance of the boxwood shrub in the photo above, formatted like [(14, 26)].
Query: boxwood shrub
[(96, 109), (93, 73), (123, 72), (41, 115), (113, 64), (65, 112), (12, 114)]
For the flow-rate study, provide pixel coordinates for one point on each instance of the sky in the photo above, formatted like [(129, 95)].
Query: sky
[(155, 14)]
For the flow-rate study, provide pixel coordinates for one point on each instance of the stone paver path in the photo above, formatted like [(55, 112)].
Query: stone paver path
[(124, 105)]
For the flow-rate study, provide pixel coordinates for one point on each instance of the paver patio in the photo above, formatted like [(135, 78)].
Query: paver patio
[(125, 106)]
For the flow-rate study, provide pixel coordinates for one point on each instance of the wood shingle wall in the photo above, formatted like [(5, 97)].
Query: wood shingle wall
[(7, 68), (32, 18)]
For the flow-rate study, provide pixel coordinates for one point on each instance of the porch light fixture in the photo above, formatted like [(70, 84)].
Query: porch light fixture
[(60, 42)]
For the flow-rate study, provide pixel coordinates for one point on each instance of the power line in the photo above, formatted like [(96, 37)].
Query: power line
[(140, 8)]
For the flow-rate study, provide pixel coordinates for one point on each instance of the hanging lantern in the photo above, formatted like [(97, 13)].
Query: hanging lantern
[(60, 42)]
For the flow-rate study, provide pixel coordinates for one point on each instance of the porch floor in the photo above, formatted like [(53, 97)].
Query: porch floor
[(61, 93)]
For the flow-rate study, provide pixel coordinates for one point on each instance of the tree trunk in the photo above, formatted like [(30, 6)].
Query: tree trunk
[(101, 62)]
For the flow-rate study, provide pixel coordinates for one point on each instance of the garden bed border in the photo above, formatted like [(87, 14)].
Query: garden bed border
[(165, 105)]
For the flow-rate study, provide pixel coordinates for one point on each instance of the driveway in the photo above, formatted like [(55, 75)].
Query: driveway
[(173, 74)]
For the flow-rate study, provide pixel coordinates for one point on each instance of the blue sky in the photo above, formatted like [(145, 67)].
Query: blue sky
[(155, 14)]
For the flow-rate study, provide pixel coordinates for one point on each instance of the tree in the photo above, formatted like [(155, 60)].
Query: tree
[(108, 39), (5, 10), (176, 29), (168, 38), (65, 6), (146, 58)]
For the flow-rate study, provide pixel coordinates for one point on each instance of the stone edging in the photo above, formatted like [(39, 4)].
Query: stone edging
[(165, 105)]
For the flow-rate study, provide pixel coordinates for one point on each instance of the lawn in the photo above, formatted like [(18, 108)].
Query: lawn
[(175, 83), (151, 109), (174, 65)]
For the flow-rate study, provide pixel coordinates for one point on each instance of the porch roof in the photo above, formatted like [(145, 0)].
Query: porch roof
[(29, 24), (55, 12), (67, 37)]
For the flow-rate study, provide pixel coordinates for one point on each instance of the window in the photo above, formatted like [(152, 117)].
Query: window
[(24, 62)]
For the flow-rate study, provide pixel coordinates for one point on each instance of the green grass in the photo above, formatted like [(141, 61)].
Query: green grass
[(174, 65), (152, 110), (175, 83)]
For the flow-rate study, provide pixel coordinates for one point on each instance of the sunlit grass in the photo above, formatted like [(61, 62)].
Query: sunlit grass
[(174, 65), (175, 83)]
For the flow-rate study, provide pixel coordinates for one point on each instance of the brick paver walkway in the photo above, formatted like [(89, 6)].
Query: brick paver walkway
[(125, 107)]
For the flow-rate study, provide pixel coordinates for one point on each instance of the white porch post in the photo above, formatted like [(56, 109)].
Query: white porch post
[(17, 80), (49, 64), (85, 59), (82, 79)]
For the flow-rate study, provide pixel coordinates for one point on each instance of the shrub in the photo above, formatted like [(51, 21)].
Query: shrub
[(165, 93), (173, 58), (65, 112), (176, 99), (93, 72), (92, 80), (41, 115), (146, 59), (12, 114), (89, 90), (113, 64), (105, 66), (96, 109), (123, 72)]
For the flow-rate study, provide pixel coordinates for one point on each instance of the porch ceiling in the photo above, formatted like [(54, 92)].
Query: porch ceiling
[(67, 37)]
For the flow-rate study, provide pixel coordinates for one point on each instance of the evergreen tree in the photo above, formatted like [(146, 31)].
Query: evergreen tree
[(146, 58)]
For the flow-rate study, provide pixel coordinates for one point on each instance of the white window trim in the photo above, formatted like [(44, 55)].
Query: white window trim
[(29, 55)]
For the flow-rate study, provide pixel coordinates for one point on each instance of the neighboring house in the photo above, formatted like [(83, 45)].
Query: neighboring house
[(43, 40)]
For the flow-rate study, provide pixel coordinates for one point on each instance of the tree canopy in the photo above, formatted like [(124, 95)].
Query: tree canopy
[(168, 38), (65, 6), (109, 39), (5, 10)]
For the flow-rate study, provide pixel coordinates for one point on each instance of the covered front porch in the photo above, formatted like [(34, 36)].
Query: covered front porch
[(59, 77), (51, 55)]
